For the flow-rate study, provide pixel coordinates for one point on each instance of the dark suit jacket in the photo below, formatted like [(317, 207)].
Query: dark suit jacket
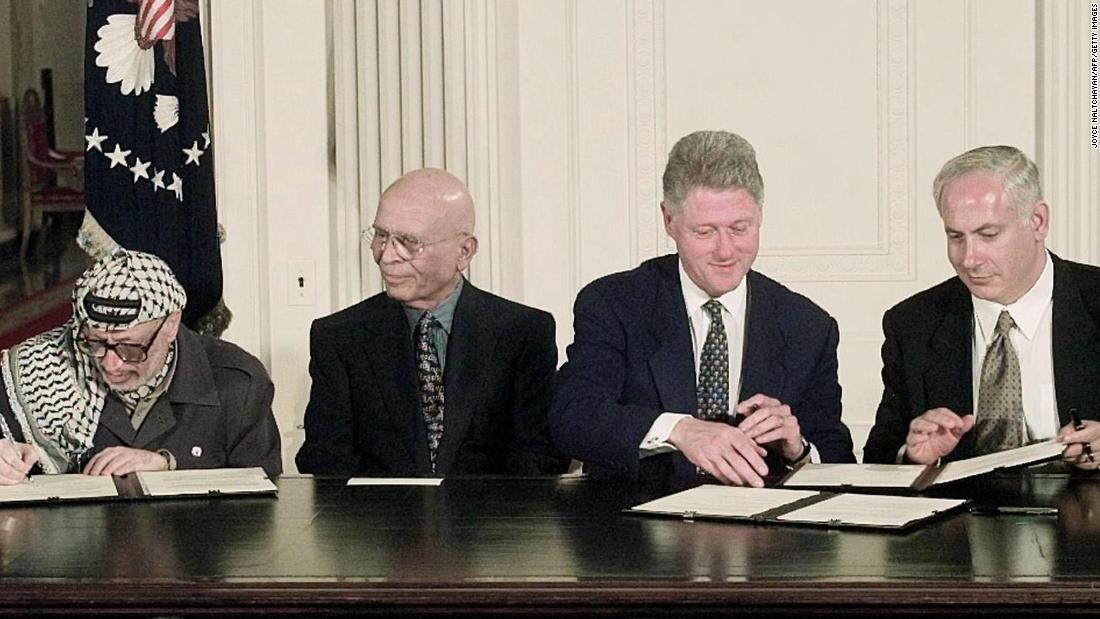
[(926, 358), (364, 416), (632, 359), (215, 413)]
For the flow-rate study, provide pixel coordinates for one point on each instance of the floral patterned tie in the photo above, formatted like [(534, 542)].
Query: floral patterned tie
[(714, 369), (1000, 406), (430, 378)]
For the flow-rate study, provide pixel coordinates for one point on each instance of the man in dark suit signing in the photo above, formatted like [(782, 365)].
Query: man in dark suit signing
[(692, 362), (999, 356), (433, 377)]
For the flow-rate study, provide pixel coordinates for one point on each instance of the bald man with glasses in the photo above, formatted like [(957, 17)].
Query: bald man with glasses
[(433, 376)]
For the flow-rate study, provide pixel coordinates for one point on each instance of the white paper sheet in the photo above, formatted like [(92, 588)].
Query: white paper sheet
[(731, 501), (204, 481), (855, 475), (70, 486), (870, 510), (395, 481), (990, 462)]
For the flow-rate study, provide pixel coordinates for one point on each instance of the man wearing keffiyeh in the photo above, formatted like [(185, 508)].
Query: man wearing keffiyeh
[(124, 387)]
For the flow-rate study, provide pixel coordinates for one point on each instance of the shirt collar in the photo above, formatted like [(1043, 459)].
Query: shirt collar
[(444, 312), (694, 296), (1027, 311)]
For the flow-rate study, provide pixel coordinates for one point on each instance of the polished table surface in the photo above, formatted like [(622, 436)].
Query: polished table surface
[(529, 546)]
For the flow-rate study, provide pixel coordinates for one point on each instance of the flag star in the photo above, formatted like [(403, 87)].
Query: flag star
[(205, 139), (140, 169), (95, 140), (158, 180), (193, 153), (176, 186), (118, 157)]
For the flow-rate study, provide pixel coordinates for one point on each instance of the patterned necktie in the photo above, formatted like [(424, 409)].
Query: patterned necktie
[(430, 378), (714, 369), (1000, 407)]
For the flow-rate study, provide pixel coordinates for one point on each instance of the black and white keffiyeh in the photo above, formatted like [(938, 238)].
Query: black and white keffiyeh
[(54, 388)]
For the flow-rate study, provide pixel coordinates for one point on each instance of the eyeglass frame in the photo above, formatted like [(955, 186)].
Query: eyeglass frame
[(401, 242), (87, 346)]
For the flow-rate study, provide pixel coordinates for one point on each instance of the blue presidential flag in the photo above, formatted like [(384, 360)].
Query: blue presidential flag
[(149, 165)]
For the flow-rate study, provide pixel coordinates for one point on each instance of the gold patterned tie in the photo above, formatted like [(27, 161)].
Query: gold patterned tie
[(714, 369), (429, 375), (1000, 421)]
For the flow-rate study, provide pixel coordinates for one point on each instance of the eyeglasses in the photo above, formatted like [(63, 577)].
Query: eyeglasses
[(405, 246), (130, 353)]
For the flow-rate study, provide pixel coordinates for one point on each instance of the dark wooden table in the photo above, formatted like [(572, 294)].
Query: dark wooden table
[(540, 546)]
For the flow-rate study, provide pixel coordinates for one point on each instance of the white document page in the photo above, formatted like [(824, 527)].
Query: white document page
[(856, 475), (711, 500), (395, 481), (204, 481), (69, 486), (870, 510), (989, 462)]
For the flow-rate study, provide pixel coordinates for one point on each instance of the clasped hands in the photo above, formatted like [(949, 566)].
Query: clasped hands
[(735, 455), (937, 432), (16, 460)]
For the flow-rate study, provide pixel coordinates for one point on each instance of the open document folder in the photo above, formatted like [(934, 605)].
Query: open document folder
[(205, 482), (916, 476), (193, 482), (774, 505)]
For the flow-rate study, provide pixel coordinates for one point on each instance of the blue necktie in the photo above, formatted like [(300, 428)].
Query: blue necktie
[(714, 369)]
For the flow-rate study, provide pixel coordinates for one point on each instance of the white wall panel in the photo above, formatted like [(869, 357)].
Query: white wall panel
[(271, 123)]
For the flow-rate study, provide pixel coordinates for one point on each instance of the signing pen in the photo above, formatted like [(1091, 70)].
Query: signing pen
[(736, 417), (1014, 510), (1079, 425)]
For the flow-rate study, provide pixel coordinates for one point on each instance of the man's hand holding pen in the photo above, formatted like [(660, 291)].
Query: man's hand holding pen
[(16, 460), (1082, 438)]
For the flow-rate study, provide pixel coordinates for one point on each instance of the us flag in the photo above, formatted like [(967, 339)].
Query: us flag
[(149, 165)]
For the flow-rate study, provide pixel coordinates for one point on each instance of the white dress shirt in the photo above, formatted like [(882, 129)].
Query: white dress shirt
[(734, 305), (1032, 340)]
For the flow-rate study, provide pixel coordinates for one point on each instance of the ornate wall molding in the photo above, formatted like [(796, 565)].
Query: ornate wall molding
[(645, 75), (890, 256), (1069, 164), (236, 85), (572, 147)]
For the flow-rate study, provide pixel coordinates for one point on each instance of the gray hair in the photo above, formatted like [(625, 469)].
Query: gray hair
[(1019, 175), (713, 159)]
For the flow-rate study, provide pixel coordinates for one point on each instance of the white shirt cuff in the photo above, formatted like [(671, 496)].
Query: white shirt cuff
[(656, 440)]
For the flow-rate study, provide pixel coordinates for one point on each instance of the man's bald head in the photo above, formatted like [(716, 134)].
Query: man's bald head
[(429, 211), (440, 195)]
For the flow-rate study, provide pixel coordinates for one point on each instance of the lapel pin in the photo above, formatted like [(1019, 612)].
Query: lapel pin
[(196, 451)]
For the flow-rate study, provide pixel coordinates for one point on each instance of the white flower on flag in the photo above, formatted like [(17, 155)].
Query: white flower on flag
[(125, 61), (166, 112)]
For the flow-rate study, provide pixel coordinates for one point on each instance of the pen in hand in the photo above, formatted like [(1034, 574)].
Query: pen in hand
[(1079, 425), (993, 510)]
